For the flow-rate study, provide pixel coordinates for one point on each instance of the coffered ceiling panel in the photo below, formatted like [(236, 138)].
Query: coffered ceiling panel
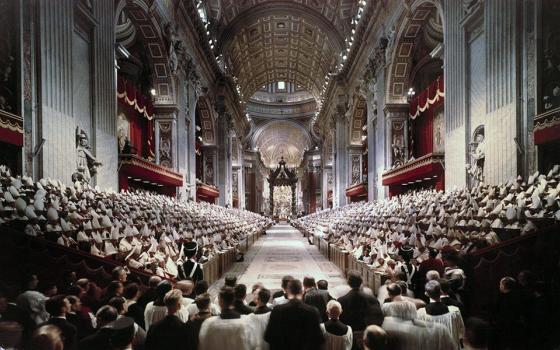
[(281, 48), (298, 41)]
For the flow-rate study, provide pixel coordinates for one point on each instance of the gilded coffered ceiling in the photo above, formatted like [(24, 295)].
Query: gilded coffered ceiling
[(298, 41), (281, 48), (280, 139)]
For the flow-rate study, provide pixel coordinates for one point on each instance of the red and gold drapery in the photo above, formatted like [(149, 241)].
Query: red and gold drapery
[(140, 114), (431, 96), (127, 93)]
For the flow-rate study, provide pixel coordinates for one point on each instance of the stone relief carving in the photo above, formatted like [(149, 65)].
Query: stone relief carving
[(86, 163), (179, 58), (397, 143), (375, 61), (165, 149), (356, 169), (477, 152), (208, 169), (234, 183), (391, 38)]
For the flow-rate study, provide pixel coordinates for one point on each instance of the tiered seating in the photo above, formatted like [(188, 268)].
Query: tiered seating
[(140, 229), (462, 219)]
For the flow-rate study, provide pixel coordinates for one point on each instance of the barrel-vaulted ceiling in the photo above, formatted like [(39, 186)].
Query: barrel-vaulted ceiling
[(292, 41), (266, 41)]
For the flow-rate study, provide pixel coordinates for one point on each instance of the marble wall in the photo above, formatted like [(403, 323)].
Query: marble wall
[(481, 73), (65, 101)]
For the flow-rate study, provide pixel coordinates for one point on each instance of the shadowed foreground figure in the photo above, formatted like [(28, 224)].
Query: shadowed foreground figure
[(294, 325)]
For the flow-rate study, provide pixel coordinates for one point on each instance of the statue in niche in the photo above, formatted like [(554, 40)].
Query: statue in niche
[(87, 164), (391, 37), (123, 132), (477, 153), (173, 44), (398, 150)]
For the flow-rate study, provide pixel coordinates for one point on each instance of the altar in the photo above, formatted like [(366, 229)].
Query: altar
[(282, 188)]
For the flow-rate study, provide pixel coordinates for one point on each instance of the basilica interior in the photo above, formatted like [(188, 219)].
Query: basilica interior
[(379, 140)]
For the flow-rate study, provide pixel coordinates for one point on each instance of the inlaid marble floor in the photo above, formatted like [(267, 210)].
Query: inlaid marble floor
[(284, 251)]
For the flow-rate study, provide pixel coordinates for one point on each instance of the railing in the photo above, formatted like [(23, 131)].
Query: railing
[(51, 261), (345, 261), (538, 252)]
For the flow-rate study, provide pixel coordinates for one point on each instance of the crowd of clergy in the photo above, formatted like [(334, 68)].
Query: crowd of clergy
[(140, 229), (464, 220), (302, 315)]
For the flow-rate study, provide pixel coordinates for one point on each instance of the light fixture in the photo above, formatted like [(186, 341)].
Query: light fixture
[(410, 94), (153, 91)]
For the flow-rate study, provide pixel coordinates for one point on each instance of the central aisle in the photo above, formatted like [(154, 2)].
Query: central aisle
[(284, 251)]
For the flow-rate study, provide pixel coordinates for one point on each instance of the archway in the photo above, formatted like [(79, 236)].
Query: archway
[(403, 40)]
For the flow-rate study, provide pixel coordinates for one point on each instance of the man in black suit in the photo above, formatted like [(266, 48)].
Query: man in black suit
[(323, 287), (170, 332), (58, 307), (359, 309), (284, 285), (134, 309), (149, 294), (101, 339), (312, 296), (190, 268), (294, 325), (446, 298), (435, 307), (239, 305)]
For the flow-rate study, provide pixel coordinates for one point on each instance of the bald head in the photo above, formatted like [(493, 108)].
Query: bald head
[(375, 338)]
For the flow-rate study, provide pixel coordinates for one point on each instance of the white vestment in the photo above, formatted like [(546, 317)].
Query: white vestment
[(417, 334), (337, 342), (218, 333), (258, 323), (451, 320)]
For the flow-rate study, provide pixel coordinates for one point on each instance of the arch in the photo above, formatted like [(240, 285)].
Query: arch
[(411, 23), (281, 138), (205, 116), (147, 26)]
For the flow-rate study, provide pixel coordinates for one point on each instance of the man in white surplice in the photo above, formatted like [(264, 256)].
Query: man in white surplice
[(406, 331), (227, 331), (447, 315), (259, 319)]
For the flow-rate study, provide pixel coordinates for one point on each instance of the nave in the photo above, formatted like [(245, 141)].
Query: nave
[(284, 251)]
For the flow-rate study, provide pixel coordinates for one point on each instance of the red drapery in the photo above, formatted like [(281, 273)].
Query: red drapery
[(426, 100), (421, 113), (128, 93), (11, 129), (140, 112)]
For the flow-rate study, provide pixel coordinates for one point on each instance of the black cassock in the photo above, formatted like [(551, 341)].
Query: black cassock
[(190, 269)]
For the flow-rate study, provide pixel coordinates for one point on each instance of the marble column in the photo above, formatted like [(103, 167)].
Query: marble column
[(341, 161), (223, 178)]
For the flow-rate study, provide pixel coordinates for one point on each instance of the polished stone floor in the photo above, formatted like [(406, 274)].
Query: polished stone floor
[(284, 251)]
